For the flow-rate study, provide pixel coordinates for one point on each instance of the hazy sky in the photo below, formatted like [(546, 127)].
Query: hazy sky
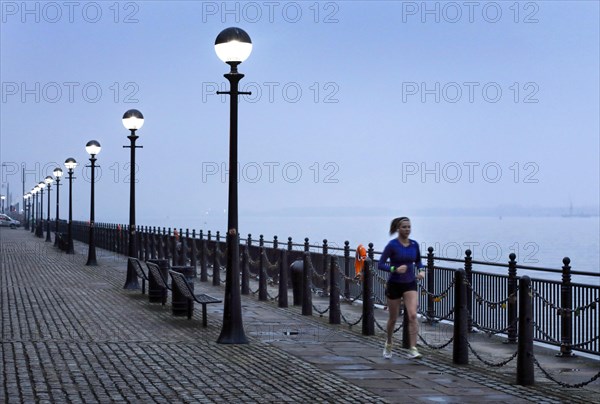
[(355, 104)]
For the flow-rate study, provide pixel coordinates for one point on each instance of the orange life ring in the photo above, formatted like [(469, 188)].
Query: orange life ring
[(359, 260)]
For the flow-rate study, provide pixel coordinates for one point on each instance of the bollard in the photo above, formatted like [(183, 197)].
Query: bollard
[(283, 279), (460, 352), (525, 374), (511, 314), (297, 272), (262, 274), (566, 313), (334, 294), (368, 321), (306, 283), (405, 330)]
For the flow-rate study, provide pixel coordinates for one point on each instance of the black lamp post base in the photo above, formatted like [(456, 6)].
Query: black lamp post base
[(132, 280), (232, 337), (91, 261)]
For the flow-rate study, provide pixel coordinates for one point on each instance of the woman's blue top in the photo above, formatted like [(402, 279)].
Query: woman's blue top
[(401, 255)]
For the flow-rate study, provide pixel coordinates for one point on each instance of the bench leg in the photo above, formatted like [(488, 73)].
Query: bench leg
[(190, 308), (143, 286), (204, 322)]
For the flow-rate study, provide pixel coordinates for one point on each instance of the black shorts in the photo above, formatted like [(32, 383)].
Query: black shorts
[(396, 290)]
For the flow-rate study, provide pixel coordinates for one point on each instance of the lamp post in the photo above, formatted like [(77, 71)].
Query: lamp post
[(58, 172), (70, 164), (92, 148), (34, 209), (233, 46), (48, 180), (26, 211), (40, 227), (132, 120)]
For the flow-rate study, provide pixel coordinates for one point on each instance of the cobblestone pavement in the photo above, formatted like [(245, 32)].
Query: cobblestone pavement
[(70, 334)]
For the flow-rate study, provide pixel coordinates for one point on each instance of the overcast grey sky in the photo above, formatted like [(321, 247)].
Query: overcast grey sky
[(370, 105)]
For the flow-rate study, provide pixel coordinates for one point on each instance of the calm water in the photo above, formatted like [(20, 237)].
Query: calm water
[(537, 241)]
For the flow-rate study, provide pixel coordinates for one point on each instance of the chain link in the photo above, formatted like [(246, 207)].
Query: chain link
[(480, 299), (384, 330), (434, 296), (560, 310), (563, 384), (492, 364), (349, 323), (435, 347)]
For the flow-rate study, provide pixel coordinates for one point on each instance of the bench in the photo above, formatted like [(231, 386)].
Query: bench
[(139, 270), (180, 282), (154, 271)]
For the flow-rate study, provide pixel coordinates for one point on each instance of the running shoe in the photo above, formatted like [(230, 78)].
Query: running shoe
[(387, 351), (413, 353)]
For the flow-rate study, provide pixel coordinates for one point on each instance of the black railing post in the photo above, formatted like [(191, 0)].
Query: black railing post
[(183, 243), (334, 293), (194, 252), (368, 321), (430, 286), (174, 239), (216, 281), (159, 245), (306, 284), (150, 242), (566, 311), (246, 266), (262, 274), (405, 328), (525, 371), (167, 243), (283, 279), (347, 269), (512, 299), (325, 272), (203, 259), (460, 352), (153, 243), (469, 276)]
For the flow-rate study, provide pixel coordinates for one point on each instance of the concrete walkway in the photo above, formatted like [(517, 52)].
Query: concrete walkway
[(71, 333)]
